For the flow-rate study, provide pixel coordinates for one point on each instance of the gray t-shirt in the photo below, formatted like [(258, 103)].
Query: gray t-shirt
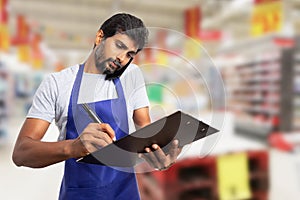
[(51, 99)]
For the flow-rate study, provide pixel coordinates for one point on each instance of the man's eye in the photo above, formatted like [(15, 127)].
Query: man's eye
[(119, 45)]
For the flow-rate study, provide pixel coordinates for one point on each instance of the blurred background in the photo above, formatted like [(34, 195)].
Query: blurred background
[(234, 64)]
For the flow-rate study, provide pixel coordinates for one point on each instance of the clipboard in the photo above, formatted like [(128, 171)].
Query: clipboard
[(124, 152)]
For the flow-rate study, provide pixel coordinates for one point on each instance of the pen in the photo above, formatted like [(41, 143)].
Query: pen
[(93, 115)]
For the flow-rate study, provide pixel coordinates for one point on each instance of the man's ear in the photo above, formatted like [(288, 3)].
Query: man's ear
[(99, 37)]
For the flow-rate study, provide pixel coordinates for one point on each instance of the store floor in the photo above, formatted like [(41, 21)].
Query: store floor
[(21, 183)]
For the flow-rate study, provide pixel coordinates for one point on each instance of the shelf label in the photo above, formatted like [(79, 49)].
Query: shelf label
[(233, 176), (267, 16)]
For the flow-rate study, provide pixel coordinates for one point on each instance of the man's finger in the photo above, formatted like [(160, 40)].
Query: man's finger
[(107, 129), (173, 152), (100, 135), (99, 143), (150, 157), (160, 155)]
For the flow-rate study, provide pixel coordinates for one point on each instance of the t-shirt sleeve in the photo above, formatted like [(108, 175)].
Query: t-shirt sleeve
[(43, 103), (138, 97)]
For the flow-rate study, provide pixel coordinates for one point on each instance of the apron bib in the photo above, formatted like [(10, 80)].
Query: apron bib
[(88, 181)]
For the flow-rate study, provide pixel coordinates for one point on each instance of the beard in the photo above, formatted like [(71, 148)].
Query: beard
[(106, 66)]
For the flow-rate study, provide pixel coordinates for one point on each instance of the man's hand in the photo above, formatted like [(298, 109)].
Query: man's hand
[(157, 157), (93, 137)]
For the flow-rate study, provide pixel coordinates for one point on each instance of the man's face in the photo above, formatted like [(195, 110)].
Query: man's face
[(113, 53)]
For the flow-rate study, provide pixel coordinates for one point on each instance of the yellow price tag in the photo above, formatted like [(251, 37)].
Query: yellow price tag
[(233, 177)]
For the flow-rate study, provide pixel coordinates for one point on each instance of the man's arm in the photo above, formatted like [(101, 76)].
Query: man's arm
[(30, 151), (141, 117)]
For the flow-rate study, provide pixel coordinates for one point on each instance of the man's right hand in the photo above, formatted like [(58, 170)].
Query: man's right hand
[(93, 137)]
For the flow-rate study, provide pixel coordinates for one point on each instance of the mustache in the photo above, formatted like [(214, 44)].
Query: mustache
[(116, 62)]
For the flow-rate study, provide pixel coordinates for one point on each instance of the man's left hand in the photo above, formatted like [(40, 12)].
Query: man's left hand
[(158, 159)]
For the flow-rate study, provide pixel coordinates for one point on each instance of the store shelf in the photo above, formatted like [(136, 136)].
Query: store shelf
[(18, 83), (253, 129), (4, 101), (296, 87), (261, 94), (197, 178)]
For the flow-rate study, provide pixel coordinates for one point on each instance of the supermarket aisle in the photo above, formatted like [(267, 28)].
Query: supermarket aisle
[(21, 183), (34, 184), (25, 183)]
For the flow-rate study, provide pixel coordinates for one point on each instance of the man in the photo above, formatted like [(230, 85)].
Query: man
[(116, 89)]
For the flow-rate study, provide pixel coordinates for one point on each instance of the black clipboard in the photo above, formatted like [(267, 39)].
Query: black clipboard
[(124, 152)]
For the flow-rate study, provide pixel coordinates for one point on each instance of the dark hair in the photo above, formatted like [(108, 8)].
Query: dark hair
[(128, 24)]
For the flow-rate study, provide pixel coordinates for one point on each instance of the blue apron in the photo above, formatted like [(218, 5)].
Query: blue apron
[(89, 181)]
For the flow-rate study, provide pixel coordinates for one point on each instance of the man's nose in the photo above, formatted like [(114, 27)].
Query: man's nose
[(122, 57)]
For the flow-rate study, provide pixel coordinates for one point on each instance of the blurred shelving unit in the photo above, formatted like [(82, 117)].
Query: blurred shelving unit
[(198, 178), (259, 85), (4, 101), (18, 82), (296, 85)]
